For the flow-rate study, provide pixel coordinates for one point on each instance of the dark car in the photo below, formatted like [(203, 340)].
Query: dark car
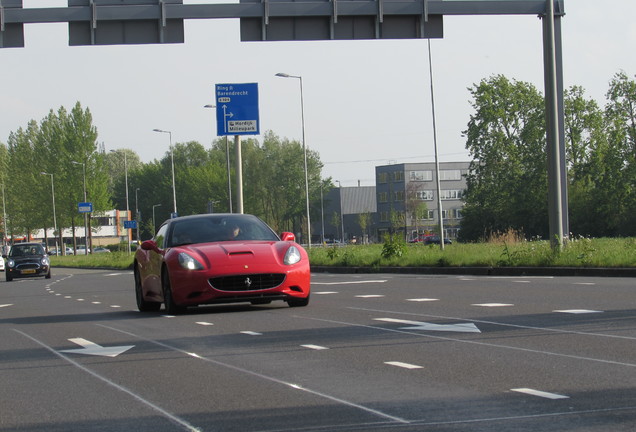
[(434, 239), (219, 258), (27, 260)]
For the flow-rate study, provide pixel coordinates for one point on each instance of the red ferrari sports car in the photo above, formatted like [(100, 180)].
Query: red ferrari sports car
[(219, 258)]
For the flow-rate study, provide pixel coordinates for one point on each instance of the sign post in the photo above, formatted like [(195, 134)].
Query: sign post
[(237, 114)]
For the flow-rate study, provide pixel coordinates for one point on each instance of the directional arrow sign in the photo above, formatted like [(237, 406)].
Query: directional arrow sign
[(418, 325), (90, 348)]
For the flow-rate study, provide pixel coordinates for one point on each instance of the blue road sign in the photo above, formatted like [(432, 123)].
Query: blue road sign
[(85, 207), (237, 109), (131, 224)]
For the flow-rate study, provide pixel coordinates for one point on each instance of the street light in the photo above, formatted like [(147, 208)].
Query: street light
[(174, 190), (341, 215), (57, 248), (154, 225), (302, 116), (85, 200), (127, 207), (227, 157)]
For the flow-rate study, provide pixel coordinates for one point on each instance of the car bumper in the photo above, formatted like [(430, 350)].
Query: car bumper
[(30, 272), (191, 287)]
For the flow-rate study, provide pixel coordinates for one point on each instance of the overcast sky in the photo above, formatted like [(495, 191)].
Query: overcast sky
[(367, 103)]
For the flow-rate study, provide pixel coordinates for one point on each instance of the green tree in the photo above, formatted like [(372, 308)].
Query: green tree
[(507, 181)]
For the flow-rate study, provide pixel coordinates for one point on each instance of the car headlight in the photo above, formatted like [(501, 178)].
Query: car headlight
[(292, 256), (10, 263), (45, 261), (189, 263)]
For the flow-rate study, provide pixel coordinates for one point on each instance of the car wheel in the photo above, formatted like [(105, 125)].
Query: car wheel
[(171, 307), (9, 277), (48, 275), (143, 305), (298, 302)]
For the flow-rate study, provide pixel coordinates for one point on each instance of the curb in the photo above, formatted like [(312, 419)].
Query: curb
[(486, 271)]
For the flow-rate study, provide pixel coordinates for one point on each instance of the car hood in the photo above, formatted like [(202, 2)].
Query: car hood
[(26, 259)]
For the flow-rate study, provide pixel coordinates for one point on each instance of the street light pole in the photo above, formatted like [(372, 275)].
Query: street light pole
[(227, 157), (154, 225), (341, 215), (4, 219), (174, 190), (137, 213), (127, 207), (57, 248), (85, 200), (302, 116)]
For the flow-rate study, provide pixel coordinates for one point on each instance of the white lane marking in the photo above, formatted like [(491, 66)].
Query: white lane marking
[(370, 296), (67, 297), (251, 333), (80, 299), (522, 281), (422, 300), (121, 388), (168, 316), (96, 302), (403, 365), (115, 306), (349, 282), (205, 323), (325, 292), (268, 378), (584, 283), (6, 305), (578, 311), (418, 325), (91, 348), (540, 393), (314, 347), (492, 304)]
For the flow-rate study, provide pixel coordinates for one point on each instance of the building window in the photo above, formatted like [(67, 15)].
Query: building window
[(421, 175), (425, 195), (452, 214), (450, 175), (451, 194), (384, 216), (382, 197), (382, 177), (398, 196), (398, 176)]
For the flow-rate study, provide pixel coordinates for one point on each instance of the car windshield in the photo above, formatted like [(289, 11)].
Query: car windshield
[(215, 228), (26, 250)]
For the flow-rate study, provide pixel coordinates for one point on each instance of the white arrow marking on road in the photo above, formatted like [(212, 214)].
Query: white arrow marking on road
[(418, 325), (5, 305), (91, 348)]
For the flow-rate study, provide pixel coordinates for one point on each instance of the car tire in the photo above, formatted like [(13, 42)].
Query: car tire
[(48, 275), (8, 276), (143, 305), (171, 307), (298, 302)]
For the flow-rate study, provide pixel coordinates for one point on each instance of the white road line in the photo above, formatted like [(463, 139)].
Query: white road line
[(119, 387), (578, 311), (492, 304), (325, 292), (269, 378), (115, 306), (403, 365), (251, 333), (422, 300), (6, 305), (370, 296), (168, 316), (96, 302), (540, 393), (314, 347), (204, 323), (349, 282)]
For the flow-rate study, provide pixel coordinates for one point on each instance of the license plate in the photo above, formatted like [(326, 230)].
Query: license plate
[(29, 271)]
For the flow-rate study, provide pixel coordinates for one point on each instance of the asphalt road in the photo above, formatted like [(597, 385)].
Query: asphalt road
[(370, 353)]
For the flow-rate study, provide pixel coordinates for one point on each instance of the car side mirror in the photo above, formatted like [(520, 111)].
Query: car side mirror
[(149, 245), (287, 236)]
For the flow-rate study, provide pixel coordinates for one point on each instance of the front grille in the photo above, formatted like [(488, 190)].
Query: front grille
[(27, 266), (247, 282)]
